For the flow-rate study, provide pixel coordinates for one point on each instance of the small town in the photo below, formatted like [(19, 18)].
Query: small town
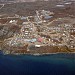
[(37, 37), (38, 34)]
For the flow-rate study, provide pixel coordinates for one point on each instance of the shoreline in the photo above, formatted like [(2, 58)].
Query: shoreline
[(38, 54)]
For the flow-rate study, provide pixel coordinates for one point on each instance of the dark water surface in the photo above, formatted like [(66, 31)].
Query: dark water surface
[(58, 64)]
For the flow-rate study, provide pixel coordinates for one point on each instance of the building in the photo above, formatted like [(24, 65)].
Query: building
[(28, 30)]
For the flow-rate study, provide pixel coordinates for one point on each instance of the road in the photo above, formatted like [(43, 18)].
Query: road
[(2, 6)]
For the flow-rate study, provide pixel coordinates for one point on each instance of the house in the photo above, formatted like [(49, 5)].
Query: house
[(28, 30)]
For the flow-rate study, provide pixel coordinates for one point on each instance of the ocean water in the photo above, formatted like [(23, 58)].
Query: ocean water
[(54, 64)]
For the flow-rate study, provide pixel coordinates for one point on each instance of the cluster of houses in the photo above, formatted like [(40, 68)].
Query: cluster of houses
[(50, 33)]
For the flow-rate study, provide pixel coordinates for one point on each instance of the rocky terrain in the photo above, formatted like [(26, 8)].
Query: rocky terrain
[(8, 31), (28, 8)]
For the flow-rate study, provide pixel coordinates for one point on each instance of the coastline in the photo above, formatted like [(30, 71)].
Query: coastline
[(38, 54), (29, 64)]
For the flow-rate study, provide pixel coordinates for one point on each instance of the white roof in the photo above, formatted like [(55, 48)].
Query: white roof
[(68, 3), (60, 5), (37, 45)]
